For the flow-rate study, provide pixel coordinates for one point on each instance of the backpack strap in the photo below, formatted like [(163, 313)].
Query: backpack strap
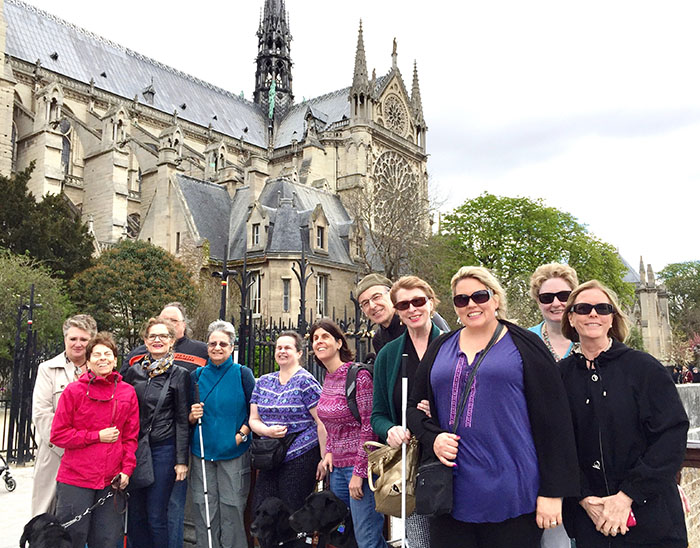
[(351, 386)]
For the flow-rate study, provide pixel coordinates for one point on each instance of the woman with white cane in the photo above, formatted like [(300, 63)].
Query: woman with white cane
[(415, 302), (220, 485)]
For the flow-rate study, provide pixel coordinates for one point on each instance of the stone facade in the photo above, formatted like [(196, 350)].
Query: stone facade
[(118, 133)]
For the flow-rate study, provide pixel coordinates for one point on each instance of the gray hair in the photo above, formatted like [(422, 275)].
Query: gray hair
[(224, 327), (181, 308), (81, 321)]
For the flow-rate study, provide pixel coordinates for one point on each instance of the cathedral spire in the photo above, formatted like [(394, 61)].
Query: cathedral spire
[(642, 277), (416, 102), (360, 82), (274, 60), (360, 92)]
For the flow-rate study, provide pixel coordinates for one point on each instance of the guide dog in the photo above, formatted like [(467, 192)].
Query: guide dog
[(271, 525), (328, 515), (45, 531)]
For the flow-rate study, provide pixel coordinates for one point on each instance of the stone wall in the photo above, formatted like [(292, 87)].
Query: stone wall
[(690, 476)]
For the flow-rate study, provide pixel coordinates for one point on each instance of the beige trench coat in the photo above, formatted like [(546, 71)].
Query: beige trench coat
[(52, 378)]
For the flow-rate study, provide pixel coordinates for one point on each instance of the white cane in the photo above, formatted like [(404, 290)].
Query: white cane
[(204, 469), (404, 404)]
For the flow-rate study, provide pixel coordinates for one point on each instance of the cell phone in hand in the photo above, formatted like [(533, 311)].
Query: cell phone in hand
[(631, 520)]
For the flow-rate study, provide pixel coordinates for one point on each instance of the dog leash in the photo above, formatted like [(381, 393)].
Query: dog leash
[(99, 503)]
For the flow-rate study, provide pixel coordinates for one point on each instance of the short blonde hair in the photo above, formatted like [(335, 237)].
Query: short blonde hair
[(413, 282), (81, 321), (489, 280), (620, 325), (552, 270), (158, 321)]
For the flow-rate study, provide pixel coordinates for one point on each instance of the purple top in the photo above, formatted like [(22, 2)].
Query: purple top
[(288, 405), (346, 436), (497, 475)]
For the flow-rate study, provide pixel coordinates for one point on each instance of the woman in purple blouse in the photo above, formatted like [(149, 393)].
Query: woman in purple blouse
[(284, 403), (345, 458), (513, 455)]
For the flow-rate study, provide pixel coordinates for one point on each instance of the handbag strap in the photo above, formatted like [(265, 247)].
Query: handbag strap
[(161, 399), (472, 374)]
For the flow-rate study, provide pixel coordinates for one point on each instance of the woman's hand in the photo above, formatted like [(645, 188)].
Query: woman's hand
[(396, 435), (355, 487), (196, 412), (123, 481), (548, 513), (615, 511), (276, 431), (327, 462), (109, 435), (593, 507), (321, 470), (180, 472), (445, 448), (424, 405)]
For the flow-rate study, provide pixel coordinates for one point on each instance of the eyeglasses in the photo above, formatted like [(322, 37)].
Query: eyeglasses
[(376, 298), (160, 336), (604, 309), (416, 302), (223, 344), (548, 298), (479, 297)]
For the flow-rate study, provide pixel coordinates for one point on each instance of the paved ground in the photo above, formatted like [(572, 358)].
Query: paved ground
[(15, 507)]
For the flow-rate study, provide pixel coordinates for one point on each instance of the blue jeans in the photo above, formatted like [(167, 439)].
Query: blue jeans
[(148, 507), (176, 515), (368, 523)]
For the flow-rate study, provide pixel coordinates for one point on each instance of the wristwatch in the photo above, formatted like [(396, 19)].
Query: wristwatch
[(244, 437)]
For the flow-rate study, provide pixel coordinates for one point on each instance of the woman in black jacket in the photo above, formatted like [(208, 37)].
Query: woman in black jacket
[(630, 429), (513, 454), (155, 377)]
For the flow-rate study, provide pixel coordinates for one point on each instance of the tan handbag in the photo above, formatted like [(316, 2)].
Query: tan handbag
[(385, 462)]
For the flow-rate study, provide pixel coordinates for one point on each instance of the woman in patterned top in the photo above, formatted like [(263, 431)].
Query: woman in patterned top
[(284, 403), (345, 458)]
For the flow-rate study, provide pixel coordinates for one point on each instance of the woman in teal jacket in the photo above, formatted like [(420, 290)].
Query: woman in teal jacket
[(415, 302)]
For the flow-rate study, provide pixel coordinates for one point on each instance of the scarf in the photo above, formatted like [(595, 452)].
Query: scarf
[(157, 367)]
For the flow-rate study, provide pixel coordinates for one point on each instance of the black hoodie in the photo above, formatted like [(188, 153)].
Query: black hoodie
[(630, 429)]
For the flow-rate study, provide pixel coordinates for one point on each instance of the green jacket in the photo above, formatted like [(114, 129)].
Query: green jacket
[(386, 370)]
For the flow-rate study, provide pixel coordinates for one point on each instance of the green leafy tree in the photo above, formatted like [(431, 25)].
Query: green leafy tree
[(17, 274), (512, 237), (128, 284), (682, 281), (49, 231)]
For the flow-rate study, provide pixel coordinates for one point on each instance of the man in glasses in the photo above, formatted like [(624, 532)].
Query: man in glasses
[(189, 354), (373, 295)]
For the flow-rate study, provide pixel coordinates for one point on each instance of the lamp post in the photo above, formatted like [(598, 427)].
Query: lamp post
[(302, 278), (223, 275)]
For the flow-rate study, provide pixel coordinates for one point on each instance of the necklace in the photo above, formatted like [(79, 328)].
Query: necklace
[(548, 343)]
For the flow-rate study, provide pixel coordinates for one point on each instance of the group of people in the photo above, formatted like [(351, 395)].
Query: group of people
[(565, 433)]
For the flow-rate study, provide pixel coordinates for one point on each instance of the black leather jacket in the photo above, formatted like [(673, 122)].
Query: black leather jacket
[(172, 419)]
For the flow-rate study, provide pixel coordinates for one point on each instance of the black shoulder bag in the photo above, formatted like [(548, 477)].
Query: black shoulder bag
[(269, 453), (434, 479), (143, 473)]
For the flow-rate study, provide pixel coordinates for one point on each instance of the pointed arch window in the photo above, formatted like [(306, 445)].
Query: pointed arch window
[(13, 165)]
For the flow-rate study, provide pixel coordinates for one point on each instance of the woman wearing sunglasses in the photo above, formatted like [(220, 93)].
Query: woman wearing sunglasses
[(97, 423), (550, 286), (414, 301), (630, 431), (157, 379), (221, 391), (513, 453)]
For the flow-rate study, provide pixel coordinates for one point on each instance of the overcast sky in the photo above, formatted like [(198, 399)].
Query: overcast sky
[(592, 106)]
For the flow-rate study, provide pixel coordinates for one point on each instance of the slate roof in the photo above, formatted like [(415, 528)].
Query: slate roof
[(631, 276), (210, 207), (35, 34)]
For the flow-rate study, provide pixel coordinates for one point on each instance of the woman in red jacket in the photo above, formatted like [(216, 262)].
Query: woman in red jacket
[(97, 423)]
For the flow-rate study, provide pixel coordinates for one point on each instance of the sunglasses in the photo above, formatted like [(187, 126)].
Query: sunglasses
[(221, 344), (416, 302), (479, 297), (548, 298), (584, 309)]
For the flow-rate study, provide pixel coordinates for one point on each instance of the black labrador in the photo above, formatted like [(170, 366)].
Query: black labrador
[(45, 531), (328, 515), (271, 525)]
